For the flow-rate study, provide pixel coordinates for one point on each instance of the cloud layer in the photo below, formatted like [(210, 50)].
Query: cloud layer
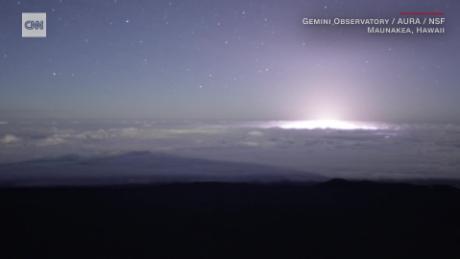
[(393, 151)]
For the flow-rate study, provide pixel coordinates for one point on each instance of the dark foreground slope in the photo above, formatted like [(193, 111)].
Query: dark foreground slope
[(337, 219)]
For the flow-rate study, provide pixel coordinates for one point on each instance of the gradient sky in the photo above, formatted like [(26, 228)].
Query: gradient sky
[(225, 60)]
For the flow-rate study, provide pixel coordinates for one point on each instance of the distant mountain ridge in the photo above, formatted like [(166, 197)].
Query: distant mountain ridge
[(141, 167)]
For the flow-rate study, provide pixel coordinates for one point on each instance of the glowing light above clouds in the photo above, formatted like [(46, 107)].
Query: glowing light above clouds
[(326, 124)]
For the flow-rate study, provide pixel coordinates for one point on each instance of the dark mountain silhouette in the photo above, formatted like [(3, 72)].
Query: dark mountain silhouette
[(146, 205), (335, 219), (141, 167)]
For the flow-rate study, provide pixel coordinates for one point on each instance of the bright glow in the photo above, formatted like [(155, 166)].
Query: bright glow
[(327, 124)]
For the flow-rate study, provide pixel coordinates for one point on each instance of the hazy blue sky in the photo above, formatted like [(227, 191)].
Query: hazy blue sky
[(225, 59)]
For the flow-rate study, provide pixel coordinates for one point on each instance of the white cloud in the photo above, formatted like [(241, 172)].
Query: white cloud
[(93, 135), (52, 141), (9, 139), (407, 150), (130, 132), (249, 143), (256, 133), (3, 122)]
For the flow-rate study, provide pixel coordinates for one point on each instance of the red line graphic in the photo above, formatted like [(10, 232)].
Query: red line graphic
[(435, 13)]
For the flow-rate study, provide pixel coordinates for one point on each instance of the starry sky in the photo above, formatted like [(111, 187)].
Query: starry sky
[(209, 59)]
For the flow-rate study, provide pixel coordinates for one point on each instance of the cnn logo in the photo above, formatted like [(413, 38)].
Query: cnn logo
[(34, 25)]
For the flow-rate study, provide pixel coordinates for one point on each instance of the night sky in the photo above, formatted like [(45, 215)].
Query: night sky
[(225, 60)]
